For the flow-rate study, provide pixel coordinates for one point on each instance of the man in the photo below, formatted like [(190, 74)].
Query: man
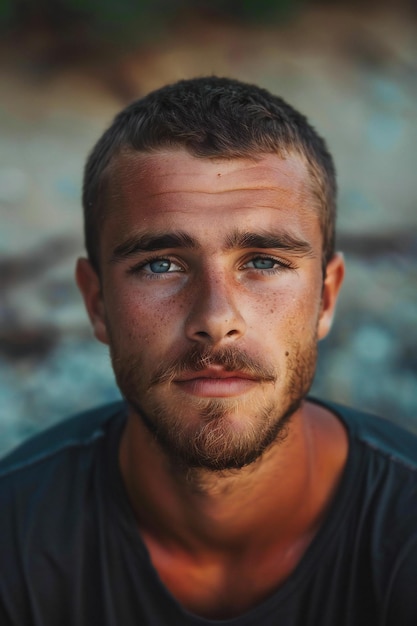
[(218, 493)]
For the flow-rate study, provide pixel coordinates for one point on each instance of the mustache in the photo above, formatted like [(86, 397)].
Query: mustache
[(197, 359)]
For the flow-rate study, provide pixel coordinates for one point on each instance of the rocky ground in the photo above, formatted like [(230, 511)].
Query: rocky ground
[(354, 75)]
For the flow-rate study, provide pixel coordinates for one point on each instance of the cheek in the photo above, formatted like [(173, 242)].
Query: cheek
[(287, 325), (134, 320), (293, 308)]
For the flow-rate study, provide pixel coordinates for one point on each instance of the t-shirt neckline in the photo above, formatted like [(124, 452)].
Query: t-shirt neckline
[(122, 512)]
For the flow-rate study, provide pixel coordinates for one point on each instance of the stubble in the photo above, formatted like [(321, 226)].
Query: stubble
[(216, 434)]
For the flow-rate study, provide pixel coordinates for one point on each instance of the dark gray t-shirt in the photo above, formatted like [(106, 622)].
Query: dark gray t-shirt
[(71, 554)]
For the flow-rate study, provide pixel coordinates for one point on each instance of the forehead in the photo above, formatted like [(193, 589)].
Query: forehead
[(165, 166), (163, 188)]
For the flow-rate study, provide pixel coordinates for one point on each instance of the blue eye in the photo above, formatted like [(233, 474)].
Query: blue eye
[(263, 263), (160, 266), (155, 267)]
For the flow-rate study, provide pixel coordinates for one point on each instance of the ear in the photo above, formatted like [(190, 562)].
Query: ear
[(335, 272), (90, 286)]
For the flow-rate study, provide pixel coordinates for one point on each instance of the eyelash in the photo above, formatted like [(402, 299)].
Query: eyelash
[(139, 267), (281, 265)]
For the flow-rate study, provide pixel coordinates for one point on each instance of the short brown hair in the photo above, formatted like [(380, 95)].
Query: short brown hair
[(211, 117)]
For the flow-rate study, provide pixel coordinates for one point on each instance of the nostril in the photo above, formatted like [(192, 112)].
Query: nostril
[(207, 324)]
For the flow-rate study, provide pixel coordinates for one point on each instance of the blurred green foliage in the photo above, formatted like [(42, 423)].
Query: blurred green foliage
[(110, 17), (6, 11)]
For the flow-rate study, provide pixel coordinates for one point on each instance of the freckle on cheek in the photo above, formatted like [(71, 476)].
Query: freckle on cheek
[(287, 354)]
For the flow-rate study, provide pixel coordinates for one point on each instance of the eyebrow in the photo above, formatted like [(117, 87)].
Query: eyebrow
[(140, 243), (280, 241), (150, 243)]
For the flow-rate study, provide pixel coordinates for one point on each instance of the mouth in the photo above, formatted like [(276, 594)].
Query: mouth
[(216, 382)]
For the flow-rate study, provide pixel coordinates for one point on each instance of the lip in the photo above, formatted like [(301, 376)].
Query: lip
[(213, 372), (216, 383)]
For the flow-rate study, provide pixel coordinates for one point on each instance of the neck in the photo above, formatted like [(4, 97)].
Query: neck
[(207, 533), (281, 493)]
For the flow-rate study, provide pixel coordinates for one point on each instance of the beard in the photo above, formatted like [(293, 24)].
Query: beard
[(215, 434)]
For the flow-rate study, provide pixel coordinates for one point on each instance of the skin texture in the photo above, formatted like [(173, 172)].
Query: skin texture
[(212, 300)]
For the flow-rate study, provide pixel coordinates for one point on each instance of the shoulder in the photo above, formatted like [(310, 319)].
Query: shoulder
[(380, 485), (52, 478), (49, 490), (379, 482), (382, 464), (49, 463), (77, 432), (55, 465), (387, 440)]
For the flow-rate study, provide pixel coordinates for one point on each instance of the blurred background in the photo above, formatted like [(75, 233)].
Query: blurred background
[(67, 66)]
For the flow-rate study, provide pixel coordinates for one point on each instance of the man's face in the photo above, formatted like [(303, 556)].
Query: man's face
[(211, 299)]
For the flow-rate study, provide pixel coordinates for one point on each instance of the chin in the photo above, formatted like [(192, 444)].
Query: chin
[(219, 436)]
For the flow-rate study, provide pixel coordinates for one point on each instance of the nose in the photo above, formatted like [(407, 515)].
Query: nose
[(214, 316)]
